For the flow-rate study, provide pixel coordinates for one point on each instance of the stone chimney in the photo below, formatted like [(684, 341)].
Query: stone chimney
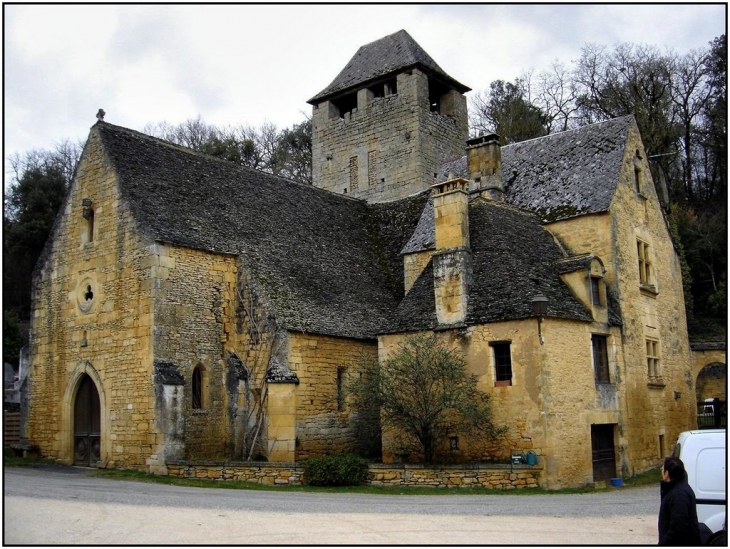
[(484, 157), (452, 269)]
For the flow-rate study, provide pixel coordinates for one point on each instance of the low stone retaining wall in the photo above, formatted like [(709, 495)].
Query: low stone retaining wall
[(499, 476), (261, 472), (488, 476)]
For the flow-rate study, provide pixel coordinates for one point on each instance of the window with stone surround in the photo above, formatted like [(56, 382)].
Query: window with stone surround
[(89, 217), (502, 359), (646, 267), (197, 387), (652, 361), (596, 293), (638, 173), (600, 359)]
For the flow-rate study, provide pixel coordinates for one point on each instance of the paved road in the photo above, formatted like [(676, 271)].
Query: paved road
[(67, 506)]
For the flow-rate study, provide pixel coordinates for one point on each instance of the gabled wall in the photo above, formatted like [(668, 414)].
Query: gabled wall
[(656, 409), (107, 336)]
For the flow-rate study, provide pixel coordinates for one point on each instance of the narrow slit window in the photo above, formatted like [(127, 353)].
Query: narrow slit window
[(197, 388), (596, 291), (600, 359)]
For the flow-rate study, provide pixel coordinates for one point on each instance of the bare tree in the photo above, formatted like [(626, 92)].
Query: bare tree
[(555, 93), (690, 94)]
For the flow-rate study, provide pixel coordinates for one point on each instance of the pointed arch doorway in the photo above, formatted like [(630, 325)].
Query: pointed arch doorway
[(87, 423)]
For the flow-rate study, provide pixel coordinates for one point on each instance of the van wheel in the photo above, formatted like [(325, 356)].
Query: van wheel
[(718, 539)]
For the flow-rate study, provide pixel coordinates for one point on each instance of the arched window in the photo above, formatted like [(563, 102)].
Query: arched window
[(198, 388)]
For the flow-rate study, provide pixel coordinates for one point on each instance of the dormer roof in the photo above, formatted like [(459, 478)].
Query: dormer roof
[(507, 273), (387, 56)]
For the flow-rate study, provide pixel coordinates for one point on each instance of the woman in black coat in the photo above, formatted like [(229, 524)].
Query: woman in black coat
[(678, 523)]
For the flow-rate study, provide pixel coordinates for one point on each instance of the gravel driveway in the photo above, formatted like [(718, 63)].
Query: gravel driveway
[(67, 506)]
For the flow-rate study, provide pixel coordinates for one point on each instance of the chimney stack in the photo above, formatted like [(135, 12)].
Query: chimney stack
[(452, 268), (484, 156)]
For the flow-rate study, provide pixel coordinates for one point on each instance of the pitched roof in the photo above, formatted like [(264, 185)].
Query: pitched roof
[(561, 175), (507, 273), (390, 54), (320, 258)]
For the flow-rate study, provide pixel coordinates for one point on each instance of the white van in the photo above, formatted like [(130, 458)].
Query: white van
[(703, 455)]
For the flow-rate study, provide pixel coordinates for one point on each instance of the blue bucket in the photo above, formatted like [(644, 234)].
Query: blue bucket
[(531, 458), (617, 482)]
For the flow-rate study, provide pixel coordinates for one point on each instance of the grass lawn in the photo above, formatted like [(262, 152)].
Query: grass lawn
[(644, 479)]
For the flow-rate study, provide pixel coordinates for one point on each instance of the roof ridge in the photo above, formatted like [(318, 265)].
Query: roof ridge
[(227, 163), (579, 128)]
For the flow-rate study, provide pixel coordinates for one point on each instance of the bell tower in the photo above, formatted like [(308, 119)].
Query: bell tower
[(386, 123)]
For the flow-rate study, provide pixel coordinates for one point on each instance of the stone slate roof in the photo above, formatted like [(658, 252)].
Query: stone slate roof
[(321, 259), (391, 54), (561, 175), (514, 258), (708, 345)]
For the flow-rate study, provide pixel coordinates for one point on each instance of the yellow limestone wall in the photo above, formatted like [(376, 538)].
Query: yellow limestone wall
[(320, 427), (107, 337), (188, 295), (550, 405), (554, 399), (655, 410)]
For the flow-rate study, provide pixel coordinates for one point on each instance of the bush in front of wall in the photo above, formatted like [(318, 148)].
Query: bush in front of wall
[(335, 470)]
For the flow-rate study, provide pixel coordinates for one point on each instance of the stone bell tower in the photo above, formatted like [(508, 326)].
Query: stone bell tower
[(383, 127)]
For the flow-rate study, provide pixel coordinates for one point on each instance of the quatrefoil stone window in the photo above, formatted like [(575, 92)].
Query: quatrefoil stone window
[(85, 295)]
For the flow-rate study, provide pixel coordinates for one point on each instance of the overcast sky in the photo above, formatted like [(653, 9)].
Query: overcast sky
[(247, 64)]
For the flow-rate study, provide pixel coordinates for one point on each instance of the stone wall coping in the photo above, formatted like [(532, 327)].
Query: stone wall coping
[(454, 466), (211, 463), (432, 466)]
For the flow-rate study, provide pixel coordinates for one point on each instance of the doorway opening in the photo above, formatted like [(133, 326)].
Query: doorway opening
[(87, 424), (604, 454)]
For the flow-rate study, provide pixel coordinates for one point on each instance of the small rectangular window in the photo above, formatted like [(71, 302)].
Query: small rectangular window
[(600, 359), (596, 291), (645, 269), (502, 363), (652, 358)]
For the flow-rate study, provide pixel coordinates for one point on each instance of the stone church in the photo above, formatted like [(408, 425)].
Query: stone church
[(189, 308)]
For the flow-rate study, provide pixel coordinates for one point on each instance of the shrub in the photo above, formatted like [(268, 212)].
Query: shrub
[(335, 470)]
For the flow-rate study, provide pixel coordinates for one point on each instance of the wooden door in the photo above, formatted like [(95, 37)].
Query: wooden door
[(87, 424)]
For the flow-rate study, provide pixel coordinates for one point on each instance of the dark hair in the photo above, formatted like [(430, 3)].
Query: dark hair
[(674, 468)]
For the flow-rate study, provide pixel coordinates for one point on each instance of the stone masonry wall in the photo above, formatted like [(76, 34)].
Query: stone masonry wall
[(84, 322), (194, 316), (654, 410), (505, 477), (321, 427), (390, 149), (550, 404)]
